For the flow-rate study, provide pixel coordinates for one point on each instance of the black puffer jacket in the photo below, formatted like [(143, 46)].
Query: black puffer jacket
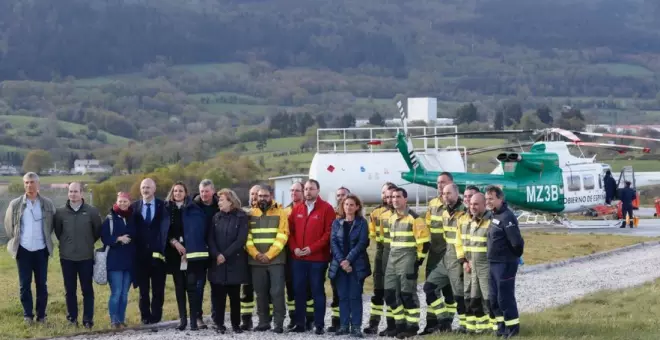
[(227, 236), (505, 244)]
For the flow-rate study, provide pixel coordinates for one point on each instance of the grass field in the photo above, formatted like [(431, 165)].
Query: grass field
[(541, 247), (608, 315), (23, 121)]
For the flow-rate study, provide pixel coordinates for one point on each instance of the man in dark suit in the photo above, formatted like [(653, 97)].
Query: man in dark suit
[(150, 213), (627, 195)]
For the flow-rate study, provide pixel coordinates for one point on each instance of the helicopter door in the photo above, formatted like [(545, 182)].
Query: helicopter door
[(628, 174)]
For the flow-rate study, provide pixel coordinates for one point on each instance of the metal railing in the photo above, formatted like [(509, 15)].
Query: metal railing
[(356, 139)]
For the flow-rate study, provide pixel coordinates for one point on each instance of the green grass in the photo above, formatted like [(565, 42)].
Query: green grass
[(631, 313), (541, 247), (22, 122), (625, 70)]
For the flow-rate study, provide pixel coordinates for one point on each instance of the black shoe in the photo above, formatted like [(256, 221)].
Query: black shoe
[(28, 321), (298, 329), (431, 327), (342, 331), (444, 326), (221, 329), (355, 333), (88, 325), (115, 326), (310, 325), (41, 320), (262, 328), (319, 331), (278, 330), (72, 323), (501, 330), (335, 325), (512, 331), (237, 330), (373, 327), (247, 323), (183, 323), (154, 320)]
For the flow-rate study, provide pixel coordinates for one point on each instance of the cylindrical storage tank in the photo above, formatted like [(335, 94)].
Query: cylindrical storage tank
[(364, 173)]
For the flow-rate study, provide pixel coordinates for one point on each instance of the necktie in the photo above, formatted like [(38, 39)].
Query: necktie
[(148, 216)]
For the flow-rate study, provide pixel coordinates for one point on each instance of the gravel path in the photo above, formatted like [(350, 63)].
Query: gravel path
[(536, 290)]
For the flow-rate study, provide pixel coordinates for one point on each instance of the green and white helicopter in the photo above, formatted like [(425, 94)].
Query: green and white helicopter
[(547, 179)]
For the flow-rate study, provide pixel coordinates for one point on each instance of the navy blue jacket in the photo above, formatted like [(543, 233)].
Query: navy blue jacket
[(121, 257), (505, 244), (359, 242), (195, 230), (147, 234), (627, 195)]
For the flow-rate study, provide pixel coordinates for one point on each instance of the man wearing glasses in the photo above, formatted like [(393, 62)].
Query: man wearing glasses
[(29, 227)]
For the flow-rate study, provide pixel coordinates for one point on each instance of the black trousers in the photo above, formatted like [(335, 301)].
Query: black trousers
[(627, 211), (186, 282), (150, 277), (219, 295)]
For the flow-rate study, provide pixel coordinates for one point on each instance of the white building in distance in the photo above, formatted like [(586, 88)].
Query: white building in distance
[(89, 166)]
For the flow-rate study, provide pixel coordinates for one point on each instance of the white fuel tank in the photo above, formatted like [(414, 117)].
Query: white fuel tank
[(364, 173)]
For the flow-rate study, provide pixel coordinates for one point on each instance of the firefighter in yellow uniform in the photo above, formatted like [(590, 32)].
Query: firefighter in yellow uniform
[(386, 237), (453, 212), (471, 252), (267, 236), (439, 312), (408, 249), (376, 234)]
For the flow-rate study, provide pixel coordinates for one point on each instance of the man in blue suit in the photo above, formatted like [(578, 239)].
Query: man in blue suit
[(150, 213)]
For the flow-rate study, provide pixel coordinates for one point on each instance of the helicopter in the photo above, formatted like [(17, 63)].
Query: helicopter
[(545, 179)]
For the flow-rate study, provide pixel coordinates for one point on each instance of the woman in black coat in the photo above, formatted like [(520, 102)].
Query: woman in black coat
[(229, 262)]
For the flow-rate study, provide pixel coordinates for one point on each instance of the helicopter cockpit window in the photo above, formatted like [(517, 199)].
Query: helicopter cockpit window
[(573, 182), (588, 182)]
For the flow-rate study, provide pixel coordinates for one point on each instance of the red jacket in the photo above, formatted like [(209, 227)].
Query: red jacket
[(311, 231)]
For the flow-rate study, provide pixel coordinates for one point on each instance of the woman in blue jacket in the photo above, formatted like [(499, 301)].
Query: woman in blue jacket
[(350, 263), (121, 256)]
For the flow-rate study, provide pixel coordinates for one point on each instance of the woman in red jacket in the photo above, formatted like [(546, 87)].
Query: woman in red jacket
[(310, 225)]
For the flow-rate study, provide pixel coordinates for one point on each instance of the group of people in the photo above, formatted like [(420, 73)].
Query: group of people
[(471, 246)]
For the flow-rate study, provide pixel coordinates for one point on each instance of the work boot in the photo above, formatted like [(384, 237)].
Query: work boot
[(501, 330), (335, 325), (373, 327), (246, 322), (404, 331), (390, 331), (183, 316), (431, 327), (444, 325), (511, 331)]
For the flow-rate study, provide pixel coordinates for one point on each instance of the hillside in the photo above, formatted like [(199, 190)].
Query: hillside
[(188, 79)]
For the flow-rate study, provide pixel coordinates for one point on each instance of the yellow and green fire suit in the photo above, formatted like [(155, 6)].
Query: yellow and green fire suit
[(408, 249), (450, 219), (471, 246)]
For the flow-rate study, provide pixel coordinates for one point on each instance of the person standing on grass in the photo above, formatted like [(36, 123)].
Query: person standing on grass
[(229, 262), (208, 201), (505, 246), (150, 216), (350, 264), (78, 226), (29, 227), (118, 232), (310, 225), (182, 245), (267, 235), (247, 290), (341, 193)]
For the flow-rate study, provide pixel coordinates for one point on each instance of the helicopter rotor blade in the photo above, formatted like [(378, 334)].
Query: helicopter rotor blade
[(612, 135), (616, 147), (463, 133)]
